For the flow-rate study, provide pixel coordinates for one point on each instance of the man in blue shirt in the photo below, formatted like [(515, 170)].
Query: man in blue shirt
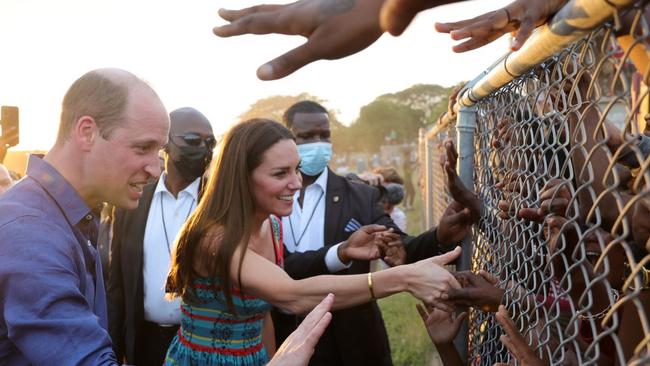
[(52, 298)]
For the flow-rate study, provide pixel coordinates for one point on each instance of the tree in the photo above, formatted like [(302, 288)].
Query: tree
[(273, 107)]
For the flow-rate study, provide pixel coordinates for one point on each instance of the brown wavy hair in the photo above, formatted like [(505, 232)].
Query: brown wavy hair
[(227, 207)]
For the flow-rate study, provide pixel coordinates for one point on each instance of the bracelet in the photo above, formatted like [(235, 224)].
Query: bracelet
[(372, 292)]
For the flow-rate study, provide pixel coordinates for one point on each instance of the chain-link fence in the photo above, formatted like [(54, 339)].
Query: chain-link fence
[(561, 164)]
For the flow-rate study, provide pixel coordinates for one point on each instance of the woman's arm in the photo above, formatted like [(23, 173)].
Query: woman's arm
[(268, 335), (426, 280)]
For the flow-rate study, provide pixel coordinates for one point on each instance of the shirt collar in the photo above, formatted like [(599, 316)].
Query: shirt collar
[(322, 180), (67, 198), (192, 189)]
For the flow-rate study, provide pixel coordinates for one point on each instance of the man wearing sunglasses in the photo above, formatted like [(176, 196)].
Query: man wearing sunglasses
[(142, 322)]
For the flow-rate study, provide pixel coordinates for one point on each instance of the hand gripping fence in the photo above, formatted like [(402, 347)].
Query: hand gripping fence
[(554, 140)]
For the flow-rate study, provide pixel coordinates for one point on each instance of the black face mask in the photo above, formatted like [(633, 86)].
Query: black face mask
[(192, 161)]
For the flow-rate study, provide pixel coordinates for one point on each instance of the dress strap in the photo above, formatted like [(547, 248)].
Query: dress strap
[(278, 244)]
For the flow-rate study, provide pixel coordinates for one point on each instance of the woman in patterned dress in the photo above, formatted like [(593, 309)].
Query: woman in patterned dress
[(227, 267)]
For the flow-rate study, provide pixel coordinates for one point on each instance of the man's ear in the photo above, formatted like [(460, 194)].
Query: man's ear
[(85, 132)]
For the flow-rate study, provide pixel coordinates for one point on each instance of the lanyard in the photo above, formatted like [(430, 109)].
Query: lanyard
[(296, 243), (162, 210)]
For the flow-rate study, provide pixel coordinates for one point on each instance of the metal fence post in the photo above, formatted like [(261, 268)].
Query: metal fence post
[(465, 127), (429, 184)]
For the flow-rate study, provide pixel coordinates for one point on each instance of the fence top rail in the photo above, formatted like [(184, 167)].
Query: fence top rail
[(572, 22)]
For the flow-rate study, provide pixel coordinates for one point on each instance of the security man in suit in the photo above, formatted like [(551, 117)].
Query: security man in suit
[(142, 322), (327, 210)]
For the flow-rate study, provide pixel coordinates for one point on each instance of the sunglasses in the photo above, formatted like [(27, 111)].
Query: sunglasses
[(194, 139)]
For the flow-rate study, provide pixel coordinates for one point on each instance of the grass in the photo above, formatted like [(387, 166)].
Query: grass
[(409, 341)]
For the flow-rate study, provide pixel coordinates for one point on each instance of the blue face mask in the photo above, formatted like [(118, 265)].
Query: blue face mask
[(314, 157)]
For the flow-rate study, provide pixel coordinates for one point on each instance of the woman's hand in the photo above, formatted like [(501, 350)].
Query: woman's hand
[(430, 282), (299, 346)]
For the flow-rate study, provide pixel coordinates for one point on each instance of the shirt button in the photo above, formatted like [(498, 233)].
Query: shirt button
[(89, 217)]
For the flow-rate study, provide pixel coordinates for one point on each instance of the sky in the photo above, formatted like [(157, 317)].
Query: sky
[(46, 45)]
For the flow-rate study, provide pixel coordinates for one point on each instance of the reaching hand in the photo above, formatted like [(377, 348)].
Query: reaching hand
[(372, 179), (455, 224), (297, 349), (455, 186), (479, 291), (362, 244), (430, 282), (391, 248), (441, 326), (520, 17), (555, 198), (515, 342), (333, 28)]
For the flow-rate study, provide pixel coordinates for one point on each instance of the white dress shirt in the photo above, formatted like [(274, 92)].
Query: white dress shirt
[(304, 229), (156, 256)]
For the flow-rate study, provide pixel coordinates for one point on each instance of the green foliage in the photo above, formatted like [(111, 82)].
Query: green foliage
[(384, 121), (409, 341), (390, 118)]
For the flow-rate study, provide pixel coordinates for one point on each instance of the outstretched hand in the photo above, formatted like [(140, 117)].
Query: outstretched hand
[(297, 349), (455, 224), (363, 244), (519, 18), (515, 342), (455, 186), (333, 28), (479, 291), (430, 281), (441, 326)]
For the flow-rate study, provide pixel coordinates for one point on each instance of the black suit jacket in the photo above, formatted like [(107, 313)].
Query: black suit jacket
[(126, 282), (355, 336)]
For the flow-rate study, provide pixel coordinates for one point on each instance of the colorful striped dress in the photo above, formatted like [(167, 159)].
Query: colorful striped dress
[(212, 335)]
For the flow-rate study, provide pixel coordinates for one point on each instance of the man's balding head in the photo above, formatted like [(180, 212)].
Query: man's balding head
[(102, 94), (187, 119)]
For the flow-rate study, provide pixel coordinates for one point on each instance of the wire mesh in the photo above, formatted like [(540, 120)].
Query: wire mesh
[(562, 168)]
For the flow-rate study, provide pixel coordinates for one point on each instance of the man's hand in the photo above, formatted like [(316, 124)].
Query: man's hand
[(455, 186), (455, 224), (479, 291), (297, 349), (333, 28), (519, 18), (362, 244), (441, 326), (391, 248)]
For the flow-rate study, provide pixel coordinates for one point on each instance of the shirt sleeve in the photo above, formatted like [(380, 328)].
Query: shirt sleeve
[(46, 317), (332, 260)]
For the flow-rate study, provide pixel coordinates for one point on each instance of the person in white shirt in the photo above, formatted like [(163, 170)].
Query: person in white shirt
[(142, 322)]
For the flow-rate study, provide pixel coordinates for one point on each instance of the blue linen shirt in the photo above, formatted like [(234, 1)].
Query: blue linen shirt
[(52, 298)]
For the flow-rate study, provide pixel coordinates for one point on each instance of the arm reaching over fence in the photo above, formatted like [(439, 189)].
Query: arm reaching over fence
[(520, 18)]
